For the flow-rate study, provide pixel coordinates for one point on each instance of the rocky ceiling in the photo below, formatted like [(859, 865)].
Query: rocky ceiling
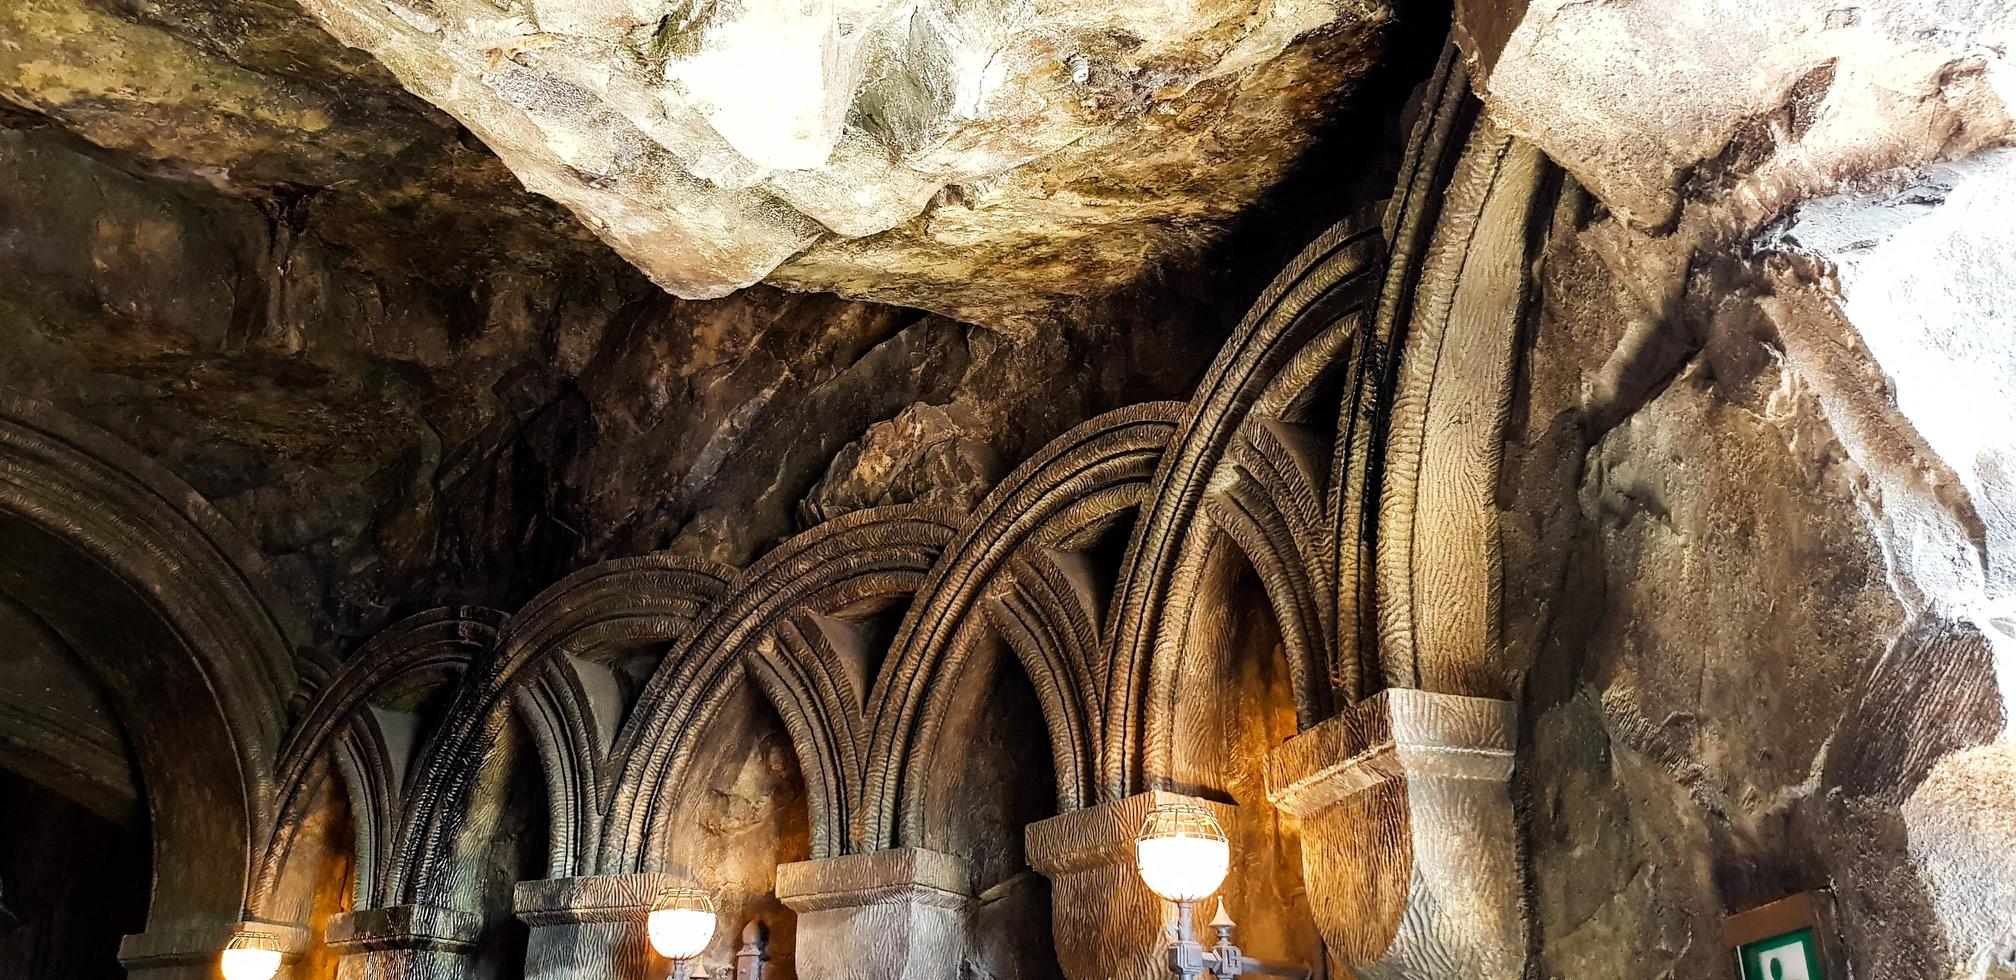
[(985, 159), (446, 346)]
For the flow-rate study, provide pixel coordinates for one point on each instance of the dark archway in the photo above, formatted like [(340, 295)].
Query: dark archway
[(156, 597)]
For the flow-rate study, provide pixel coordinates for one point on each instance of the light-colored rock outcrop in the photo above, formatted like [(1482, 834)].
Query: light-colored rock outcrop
[(949, 154)]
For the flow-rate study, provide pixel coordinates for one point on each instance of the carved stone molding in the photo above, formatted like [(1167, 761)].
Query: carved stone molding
[(1107, 924), (885, 915), (1409, 845), (193, 953), (404, 942), (589, 928)]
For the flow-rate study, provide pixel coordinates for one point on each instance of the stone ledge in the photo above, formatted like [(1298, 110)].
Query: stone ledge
[(417, 927), (1395, 733), (888, 877), (590, 898), (203, 944)]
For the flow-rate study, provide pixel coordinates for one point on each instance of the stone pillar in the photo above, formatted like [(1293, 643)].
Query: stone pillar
[(194, 954), (590, 928), (1107, 924), (1409, 846), (404, 942), (886, 915)]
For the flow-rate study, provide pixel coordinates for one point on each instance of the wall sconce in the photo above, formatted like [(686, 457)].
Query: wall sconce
[(250, 956), (680, 925), (1182, 854)]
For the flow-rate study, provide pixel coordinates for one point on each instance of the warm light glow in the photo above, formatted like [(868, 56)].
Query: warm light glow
[(251, 956), (1182, 852), (681, 923)]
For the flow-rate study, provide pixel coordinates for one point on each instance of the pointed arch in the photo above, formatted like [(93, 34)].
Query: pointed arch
[(1313, 317), (1085, 476), (339, 728), (629, 603), (877, 555)]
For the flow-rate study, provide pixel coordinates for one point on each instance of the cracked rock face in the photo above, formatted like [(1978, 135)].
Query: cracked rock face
[(1776, 634), (954, 155)]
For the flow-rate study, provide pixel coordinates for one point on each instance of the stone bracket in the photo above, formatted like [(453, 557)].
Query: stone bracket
[(1107, 924), (1410, 846), (897, 914), (405, 927), (198, 949), (591, 927)]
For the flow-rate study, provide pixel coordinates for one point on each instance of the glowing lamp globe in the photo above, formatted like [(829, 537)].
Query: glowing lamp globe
[(681, 923), (251, 956), (1182, 852)]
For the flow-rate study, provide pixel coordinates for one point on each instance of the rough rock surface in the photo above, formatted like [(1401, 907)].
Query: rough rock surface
[(396, 428), (954, 156), (1775, 367), (993, 162), (1729, 699)]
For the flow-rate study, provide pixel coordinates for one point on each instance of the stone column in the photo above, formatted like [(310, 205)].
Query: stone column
[(194, 954), (1107, 924), (886, 915), (404, 942), (590, 928), (1409, 847)]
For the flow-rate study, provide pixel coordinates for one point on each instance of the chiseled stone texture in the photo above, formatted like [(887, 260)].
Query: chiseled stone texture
[(1773, 373), (1733, 688), (394, 434), (1645, 102), (981, 158)]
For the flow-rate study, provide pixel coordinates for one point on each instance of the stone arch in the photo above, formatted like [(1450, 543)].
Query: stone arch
[(869, 556), (1414, 863), (1083, 477), (340, 731), (164, 603), (806, 671), (541, 662), (1314, 317)]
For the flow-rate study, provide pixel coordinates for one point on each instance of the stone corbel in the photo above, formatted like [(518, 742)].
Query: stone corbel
[(1107, 924), (898, 914), (404, 942), (590, 928), (193, 954), (1409, 845)]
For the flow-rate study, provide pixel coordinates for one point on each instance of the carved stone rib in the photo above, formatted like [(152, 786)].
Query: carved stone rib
[(1097, 460)]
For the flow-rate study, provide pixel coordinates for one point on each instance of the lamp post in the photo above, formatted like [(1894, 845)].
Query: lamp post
[(250, 955), (1183, 854), (680, 925)]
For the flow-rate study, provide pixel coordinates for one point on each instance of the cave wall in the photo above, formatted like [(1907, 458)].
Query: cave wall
[(395, 433), (54, 920), (1727, 700)]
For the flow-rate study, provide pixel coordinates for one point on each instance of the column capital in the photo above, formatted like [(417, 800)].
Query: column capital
[(1393, 734), (897, 914), (590, 898), (1107, 924), (194, 951), (903, 874), (590, 927), (1409, 844), (1103, 835), (404, 927)]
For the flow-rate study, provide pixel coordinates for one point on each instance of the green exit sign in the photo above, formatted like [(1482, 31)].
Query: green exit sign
[(1793, 956), (1790, 939)]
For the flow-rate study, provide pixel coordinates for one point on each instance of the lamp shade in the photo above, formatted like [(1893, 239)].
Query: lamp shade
[(251, 956), (1181, 852), (681, 923)]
